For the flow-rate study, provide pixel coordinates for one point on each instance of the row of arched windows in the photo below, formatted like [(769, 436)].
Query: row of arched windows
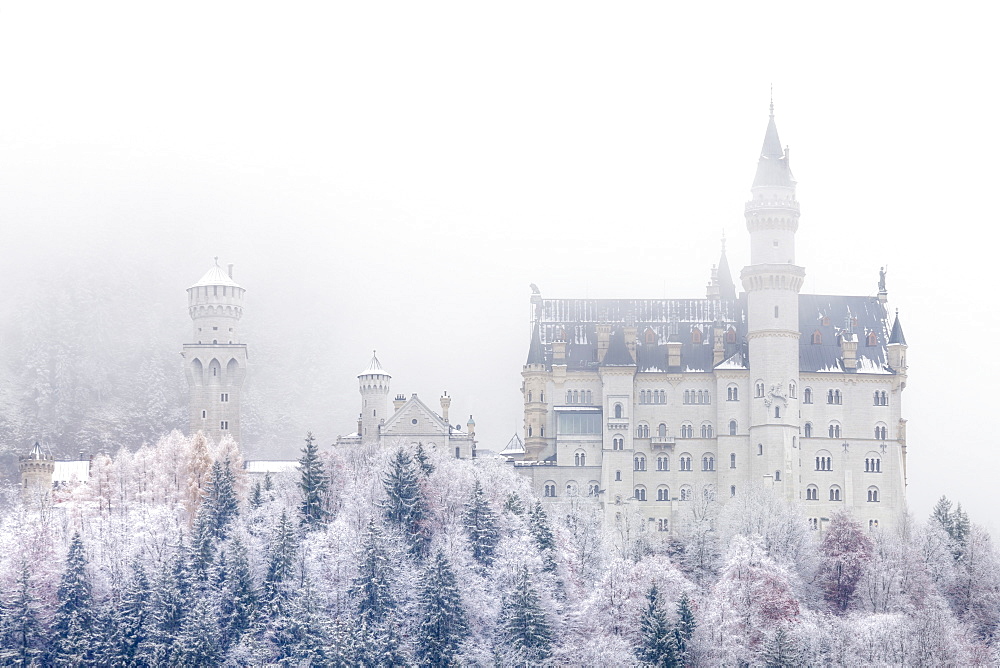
[(652, 397), (881, 398), (697, 397), (834, 431), (812, 493), (578, 397)]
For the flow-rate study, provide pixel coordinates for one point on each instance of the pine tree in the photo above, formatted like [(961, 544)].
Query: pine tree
[(423, 460), (197, 642), (73, 632), (131, 620), (538, 524), (239, 598), (442, 620), (845, 552), (280, 565), (781, 650), (480, 523), (684, 630), (372, 588), (20, 631), (657, 646), (404, 505), (525, 627), (256, 496), (313, 484), (514, 504), (171, 605)]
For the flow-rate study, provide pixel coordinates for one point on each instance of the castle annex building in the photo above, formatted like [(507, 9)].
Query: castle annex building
[(656, 403)]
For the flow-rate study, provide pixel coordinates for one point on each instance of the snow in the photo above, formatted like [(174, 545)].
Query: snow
[(270, 465), (868, 365), (216, 276), (75, 471)]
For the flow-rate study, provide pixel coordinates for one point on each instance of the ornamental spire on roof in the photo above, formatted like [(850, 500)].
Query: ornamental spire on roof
[(727, 288), (536, 353), (374, 368), (773, 168), (897, 332)]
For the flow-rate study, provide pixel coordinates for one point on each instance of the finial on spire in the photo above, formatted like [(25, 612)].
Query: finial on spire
[(723, 240), (772, 100), (216, 260)]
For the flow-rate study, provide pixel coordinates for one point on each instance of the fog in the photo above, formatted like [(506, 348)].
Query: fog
[(393, 176)]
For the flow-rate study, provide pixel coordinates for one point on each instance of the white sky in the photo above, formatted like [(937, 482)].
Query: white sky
[(393, 175)]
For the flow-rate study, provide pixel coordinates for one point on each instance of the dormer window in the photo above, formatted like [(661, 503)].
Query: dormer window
[(650, 336), (872, 339), (696, 336), (731, 335), (817, 337)]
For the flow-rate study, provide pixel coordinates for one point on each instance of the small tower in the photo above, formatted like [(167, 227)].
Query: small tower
[(215, 362), (36, 468), (535, 374), (373, 383)]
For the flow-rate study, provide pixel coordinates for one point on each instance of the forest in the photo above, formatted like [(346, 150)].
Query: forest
[(172, 554)]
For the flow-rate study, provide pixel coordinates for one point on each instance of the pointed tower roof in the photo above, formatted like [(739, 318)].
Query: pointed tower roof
[(618, 354), (374, 368), (216, 276), (36, 452), (897, 332), (773, 168), (536, 353), (727, 288)]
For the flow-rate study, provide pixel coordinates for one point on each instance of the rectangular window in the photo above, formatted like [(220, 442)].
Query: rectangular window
[(579, 423), (224, 425), (224, 397), (204, 414)]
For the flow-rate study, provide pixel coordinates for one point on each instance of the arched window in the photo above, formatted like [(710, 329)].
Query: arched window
[(663, 396), (685, 462), (760, 448), (873, 494), (593, 489), (696, 336), (807, 396), (580, 458), (589, 399), (777, 411), (618, 443), (812, 493), (791, 390), (732, 393), (835, 493), (824, 462), (829, 396), (571, 488), (645, 430), (639, 462), (576, 397), (661, 431), (569, 396), (731, 335), (550, 489), (732, 460), (708, 462), (872, 339), (732, 491), (685, 493), (873, 463), (758, 389), (817, 338), (663, 463), (809, 430), (777, 476), (881, 431), (640, 493), (618, 476), (618, 411), (732, 427), (663, 494), (687, 396), (834, 430)]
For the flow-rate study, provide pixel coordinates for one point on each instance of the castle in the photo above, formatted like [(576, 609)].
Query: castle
[(652, 404)]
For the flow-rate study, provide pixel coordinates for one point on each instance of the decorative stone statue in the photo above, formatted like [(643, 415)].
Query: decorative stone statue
[(881, 279)]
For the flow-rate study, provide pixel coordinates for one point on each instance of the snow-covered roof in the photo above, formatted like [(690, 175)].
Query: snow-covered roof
[(374, 368), (76, 471), (216, 276), (514, 446), (270, 465)]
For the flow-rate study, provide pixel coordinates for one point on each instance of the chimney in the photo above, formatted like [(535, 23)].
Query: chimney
[(398, 402), (603, 340), (719, 351), (471, 427), (849, 351), (230, 271), (445, 405)]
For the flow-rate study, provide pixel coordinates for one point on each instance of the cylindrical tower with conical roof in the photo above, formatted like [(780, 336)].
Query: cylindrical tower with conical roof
[(215, 361), (36, 470), (373, 383)]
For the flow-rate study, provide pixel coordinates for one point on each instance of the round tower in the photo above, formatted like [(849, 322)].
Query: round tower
[(36, 468), (373, 384), (215, 360), (535, 375), (772, 282)]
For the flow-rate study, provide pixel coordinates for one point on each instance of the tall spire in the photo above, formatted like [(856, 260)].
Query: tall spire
[(773, 168), (536, 353), (727, 288)]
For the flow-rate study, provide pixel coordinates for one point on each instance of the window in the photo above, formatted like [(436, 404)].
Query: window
[(696, 336), (708, 463), (224, 397), (881, 398), (777, 411), (732, 393), (777, 476), (580, 459), (812, 493), (809, 429), (618, 443), (732, 491), (872, 339), (732, 427), (663, 524), (760, 449), (204, 414), (458, 453), (593, 489), (571, 489), (579, 423), (776, 308), (817, 338), (881, 432), (731, 335), (663, 494), (550, 489), (732, 460), (824, 462), (835, 493), (661, 396), (807, 396), (758, 389), (618, 476), (618, 411), (834, 430), (639, 462), (685, 462), (687, 396), (224, 425), (873, 463), (642, 431), (661, 431), (685, 493), (873, 495), (640, 493), (663, 463), (589, 397), (791, 390), (707, 431), (642, 396), (687, 430), (813, 523)]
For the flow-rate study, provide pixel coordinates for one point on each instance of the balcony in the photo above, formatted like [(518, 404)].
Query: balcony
[(662, 442), (617, 424)]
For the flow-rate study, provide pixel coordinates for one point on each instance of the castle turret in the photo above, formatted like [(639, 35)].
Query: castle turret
[(535, 409), (36, 468), (772, 282), (215, 362), (373, 383)]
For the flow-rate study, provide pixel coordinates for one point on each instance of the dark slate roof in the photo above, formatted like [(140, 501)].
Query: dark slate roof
[(536, 353), (897, 332), (727, 288), (773, 168), (618, 354), (658, 321)]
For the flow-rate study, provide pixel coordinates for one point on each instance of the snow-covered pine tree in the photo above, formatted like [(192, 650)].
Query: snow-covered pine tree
[(514, 504), (442, 619), (239, 605), (171, 604), (131, 619), (313, 484), (256, 495), (423, 460), (781, 650), (73, 633), (20, 631), (656, 639), (279, 565), (525, 628), (684, 630), (480, 523), (404, 505), (538, 524), (372, 588), (197, 643)]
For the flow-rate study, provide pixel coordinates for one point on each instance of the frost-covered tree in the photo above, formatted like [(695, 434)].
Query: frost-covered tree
[(844, 554), (132, 619), (423, 461), (280, 564), (525, 628), (239, 601), (313, 483), (656, 637), (73, 632), (480, 524), (781, 650), (171, 604), (442, 623), (404, 505), (541, 530), (684, 629), (20, 630), (197, 643), (372, 588)]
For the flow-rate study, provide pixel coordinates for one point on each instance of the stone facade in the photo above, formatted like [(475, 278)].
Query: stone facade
[(653, 404)]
